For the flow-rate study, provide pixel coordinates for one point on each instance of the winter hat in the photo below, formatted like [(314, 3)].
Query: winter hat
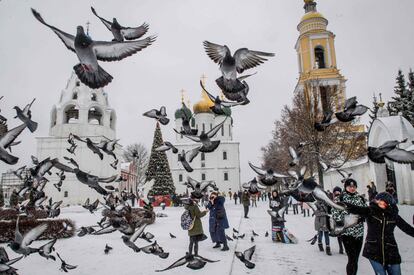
[(384, 196), (337, 189), (350, 182)]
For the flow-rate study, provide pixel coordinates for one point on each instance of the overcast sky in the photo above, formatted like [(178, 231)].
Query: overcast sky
[(374, 38)]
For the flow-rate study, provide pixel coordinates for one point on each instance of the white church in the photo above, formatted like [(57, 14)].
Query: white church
[(222, 165), (85, 112), (384, 128)]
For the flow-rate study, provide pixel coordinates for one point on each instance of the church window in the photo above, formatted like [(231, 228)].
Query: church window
[(203, 164), (65, 194), (180, 177), (222, 131), (224, 155), (320, 57), (226, 176), (71, 114), (203, 176), (94, 116), (204, 127), (203, 156), (75, 96), (93, 97)]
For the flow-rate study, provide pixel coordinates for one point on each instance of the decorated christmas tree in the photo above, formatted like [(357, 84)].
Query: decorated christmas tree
[(159, 168)]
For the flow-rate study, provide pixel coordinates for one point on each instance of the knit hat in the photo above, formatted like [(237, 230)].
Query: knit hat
[(384, 196), (350, 182), (337, 189)]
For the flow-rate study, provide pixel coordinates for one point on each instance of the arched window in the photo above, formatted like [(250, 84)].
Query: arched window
[(224, 155), (222, 131), (180, 177), (94, 116), (320, 57), (71, 114), (226, 176), (65, 194), (203, 156), (203, 176), (93, 97), (53, 117), (75, 96)]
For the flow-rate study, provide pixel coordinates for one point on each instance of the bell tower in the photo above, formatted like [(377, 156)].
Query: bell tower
[(319, 76)]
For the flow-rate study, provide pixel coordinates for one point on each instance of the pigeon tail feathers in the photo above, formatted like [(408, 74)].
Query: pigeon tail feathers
[(92, 79)]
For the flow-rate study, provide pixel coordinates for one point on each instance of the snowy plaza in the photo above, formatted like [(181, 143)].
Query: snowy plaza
[(219, 137)]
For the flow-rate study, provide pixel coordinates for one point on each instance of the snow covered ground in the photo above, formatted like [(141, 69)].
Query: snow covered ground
[(270, 258)]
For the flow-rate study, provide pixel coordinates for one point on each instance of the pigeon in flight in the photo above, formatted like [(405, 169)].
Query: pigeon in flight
[(91, 207), (53, 209), (351, 110), (205, 138), (167, 146), (108, 146), (25, 116), (327, 120), (114, 164), (172, 236), (21, 243), (71, 161), (6, 141), (252, 186), (91, 145), (200, 187), (72, 149), (267, 177), (242, 60), (193, 262), (219, 104), (5, 262), (46, 249), (64, 266), (119, 32), (185, 123), (255, 234), (235, 231), (295, 157), (19, 172), (252, 239), (246, 257), (93, 181), (160, 115), (229, 238), (90, 51), (390, 151), (185, 157)]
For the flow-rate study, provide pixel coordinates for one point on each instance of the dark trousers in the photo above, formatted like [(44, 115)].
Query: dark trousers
[(340, 243), (353, 248), (235, 201), (193, 244), (305, 211), (246, 210), (325, 234), (295, 209)]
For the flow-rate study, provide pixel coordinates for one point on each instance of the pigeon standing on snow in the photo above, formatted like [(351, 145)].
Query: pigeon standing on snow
[(90, 51), (160, 115), (107, 249), (25, 116), (242, 60), (119, 32)]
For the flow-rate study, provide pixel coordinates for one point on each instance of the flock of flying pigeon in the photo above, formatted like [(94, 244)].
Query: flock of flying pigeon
[(117, 218)]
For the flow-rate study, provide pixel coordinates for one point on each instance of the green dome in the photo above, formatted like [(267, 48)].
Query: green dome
[(184, 109)]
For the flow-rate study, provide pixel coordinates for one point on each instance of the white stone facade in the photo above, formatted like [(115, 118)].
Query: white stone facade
[(89, 116), (221, 166)]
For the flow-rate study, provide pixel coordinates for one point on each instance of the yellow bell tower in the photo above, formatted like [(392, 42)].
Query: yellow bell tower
[(319, 77)]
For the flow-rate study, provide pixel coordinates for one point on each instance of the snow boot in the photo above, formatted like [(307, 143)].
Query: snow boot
[(217, 245), (225, 248), (328, 250), (320, 247)]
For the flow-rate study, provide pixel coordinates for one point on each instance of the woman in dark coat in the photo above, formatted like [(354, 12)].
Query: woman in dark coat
[(321, 225), (218, 221), (380, 246)]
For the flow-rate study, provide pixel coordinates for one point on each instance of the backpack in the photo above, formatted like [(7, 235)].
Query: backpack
[(187, 222)]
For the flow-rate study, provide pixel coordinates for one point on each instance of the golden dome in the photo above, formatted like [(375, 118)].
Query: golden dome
[(203, 106), (310, 15)]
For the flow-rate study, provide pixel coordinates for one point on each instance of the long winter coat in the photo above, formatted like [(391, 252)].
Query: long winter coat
[(380, 244), (246, 199), (195, 212), (321, 217), (218, 219)]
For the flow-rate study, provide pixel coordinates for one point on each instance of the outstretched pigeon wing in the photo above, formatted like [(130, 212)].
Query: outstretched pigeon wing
[(107, 23), (216, 52), (215, 129), (134, 33), (247, 59), (258, 170), (115, 51)]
